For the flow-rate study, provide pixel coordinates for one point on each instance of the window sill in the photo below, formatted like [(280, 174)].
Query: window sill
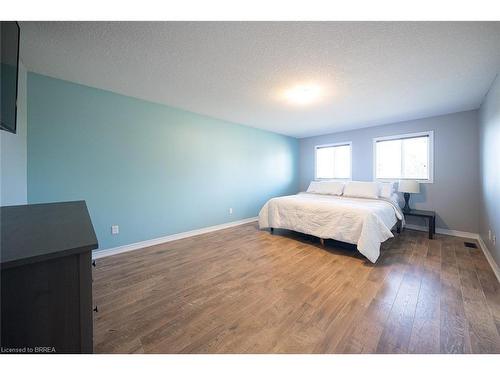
[(399, 179)]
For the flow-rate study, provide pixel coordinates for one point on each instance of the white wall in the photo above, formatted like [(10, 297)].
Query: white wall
[(13, 152), (489, 145)]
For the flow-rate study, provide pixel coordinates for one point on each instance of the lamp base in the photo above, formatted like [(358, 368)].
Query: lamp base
[(407, 208)]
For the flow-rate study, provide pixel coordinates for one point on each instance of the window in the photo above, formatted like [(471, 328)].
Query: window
[(333, 161), (401, 157)]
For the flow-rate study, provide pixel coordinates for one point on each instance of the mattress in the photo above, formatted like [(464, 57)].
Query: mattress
[(360, 221)]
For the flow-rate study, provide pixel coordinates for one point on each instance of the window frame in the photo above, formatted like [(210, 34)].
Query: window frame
[(430, 155), (337, 144)]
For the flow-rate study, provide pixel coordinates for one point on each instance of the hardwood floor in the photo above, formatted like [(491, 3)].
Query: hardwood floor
[(241, 290)]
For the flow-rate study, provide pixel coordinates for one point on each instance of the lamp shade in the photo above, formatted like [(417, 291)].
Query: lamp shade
[(409, 186)]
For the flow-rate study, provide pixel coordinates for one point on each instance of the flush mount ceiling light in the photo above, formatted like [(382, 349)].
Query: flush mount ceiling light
[(303, 94)]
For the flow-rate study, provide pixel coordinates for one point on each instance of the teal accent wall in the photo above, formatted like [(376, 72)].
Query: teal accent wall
[(151, 169)]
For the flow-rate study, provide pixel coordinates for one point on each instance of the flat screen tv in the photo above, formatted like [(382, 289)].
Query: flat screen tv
[(9, 60)]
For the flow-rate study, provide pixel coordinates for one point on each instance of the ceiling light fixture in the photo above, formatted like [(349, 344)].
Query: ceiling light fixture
[(303, 94)]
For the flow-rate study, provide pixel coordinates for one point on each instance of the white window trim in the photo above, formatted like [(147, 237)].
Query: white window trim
[(430, 155), (333, 145)]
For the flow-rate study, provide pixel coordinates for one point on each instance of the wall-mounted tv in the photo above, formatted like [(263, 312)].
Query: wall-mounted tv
[(9, 67)]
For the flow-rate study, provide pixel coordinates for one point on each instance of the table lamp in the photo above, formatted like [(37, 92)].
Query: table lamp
[(407, 187)]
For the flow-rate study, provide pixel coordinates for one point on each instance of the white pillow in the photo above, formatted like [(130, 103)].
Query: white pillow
[(361, 189), (326, 187), (386, 189)]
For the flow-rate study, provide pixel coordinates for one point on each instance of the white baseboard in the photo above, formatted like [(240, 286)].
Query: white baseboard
[(449, 232), (156, 241), (489, 258)]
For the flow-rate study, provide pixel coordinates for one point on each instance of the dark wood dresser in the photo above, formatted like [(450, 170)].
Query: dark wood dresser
[(46, 278)]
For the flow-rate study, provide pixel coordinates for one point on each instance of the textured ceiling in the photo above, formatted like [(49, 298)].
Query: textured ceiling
[(371, 72)]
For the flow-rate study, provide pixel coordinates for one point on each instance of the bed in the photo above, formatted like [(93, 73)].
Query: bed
[(365, 222)]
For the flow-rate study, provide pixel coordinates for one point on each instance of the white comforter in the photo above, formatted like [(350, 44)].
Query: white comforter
[(364, 222)]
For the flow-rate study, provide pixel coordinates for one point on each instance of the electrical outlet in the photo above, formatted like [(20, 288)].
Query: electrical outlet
[(230, 210), (115, 229), (489, 234)]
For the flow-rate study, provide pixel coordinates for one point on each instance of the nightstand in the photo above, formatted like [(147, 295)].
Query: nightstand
[(431, 218)]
